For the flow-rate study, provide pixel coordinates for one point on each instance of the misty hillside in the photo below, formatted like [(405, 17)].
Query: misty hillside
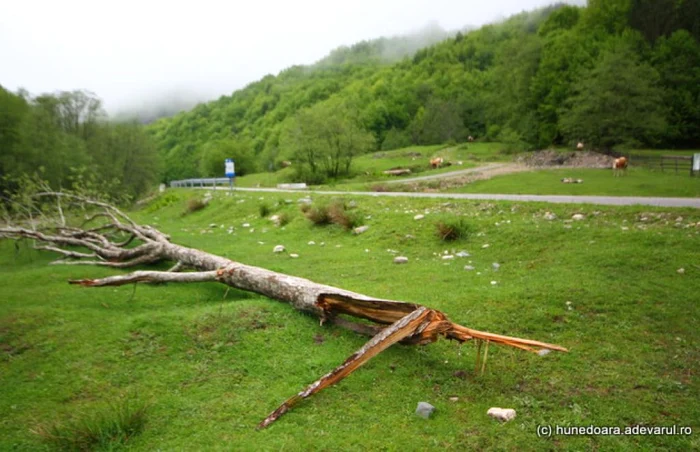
[(532, 80)]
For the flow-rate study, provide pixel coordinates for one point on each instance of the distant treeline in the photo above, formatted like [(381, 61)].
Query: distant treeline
[(67, 141), (614, 73)]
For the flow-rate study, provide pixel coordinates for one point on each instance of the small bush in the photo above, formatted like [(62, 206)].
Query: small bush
[(449, 231), (334, 213), (284, 219), (264, 210), (98, 430), (318, 215), (194, 205), (338, 213), (305, 207)]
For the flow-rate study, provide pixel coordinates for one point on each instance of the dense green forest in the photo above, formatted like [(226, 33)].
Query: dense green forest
[(67, 141), (614, 74)]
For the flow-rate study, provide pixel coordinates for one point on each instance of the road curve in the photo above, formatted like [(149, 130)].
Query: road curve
[(559, 199)]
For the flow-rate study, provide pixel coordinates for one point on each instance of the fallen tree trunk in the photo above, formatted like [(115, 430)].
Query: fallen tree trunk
[(392, 321)]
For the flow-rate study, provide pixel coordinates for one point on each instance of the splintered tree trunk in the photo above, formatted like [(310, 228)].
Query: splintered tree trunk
[(391, 321)]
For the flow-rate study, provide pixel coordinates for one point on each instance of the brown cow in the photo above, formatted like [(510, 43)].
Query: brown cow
[(436, 162), (620, 166)]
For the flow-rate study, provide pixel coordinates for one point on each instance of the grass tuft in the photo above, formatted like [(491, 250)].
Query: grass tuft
[(194, 205), (264, 210), (97, 430), (334, 213), (449, 231), (283, 219)]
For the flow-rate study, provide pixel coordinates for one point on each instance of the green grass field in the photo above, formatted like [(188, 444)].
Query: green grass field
[(210, 363), (637, 182), (369, 167)]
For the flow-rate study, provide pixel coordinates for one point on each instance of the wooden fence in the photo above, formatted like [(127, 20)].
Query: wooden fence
[(679, 164)]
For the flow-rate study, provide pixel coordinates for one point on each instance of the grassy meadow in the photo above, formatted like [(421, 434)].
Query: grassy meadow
[(202, 364), (636, 182)]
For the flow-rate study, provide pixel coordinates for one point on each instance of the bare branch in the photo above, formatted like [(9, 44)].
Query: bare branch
[(147, 277), (390, 335)]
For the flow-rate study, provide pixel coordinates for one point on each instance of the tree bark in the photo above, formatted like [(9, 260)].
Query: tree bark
[(392, 321)]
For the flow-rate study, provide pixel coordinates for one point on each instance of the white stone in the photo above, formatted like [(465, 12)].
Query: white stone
[(493, 283), (502, 414), (486, 245), (419, 217), (462, 254), (681, 271), (279, 249), (550, 216), (213, 225), (544, 352), (454, 399), (246, 225), (578, 217), (293, 255), (468, 267), (424, 409), (447, 257), (311, 243), (496, 266), (400, 260), (360, 230)]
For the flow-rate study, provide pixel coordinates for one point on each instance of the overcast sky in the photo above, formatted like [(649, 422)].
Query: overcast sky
[(129, 52)]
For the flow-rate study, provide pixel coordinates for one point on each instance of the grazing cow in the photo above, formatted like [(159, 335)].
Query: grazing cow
[(470, 139), (620, 166), (436, 162), (579, 146)]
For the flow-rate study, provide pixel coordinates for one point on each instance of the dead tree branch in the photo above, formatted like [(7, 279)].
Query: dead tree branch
[(392, 321)]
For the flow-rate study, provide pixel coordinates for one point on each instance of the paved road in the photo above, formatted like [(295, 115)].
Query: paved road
[(604, 200), (451, 174)]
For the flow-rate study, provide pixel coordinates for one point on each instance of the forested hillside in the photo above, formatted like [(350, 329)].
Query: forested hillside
[(615, 73), (67, 141)]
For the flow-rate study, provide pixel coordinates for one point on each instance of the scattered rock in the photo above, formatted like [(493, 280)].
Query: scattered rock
[(569, 306), (213, 225), (468, 267), (681, 271), (275, 219), (447, 257), (493, 283), (463, 254), (352, 204), (246, 225), (486, 245), (424, 409), (419, 217), (279, 249), (305, 201), (578, 217), (360, 230), (409, 236), (293, 255), (550, 216), (502, 414), (496, 266), (400, 260), (311, 243), (454, 399), (544, 352)]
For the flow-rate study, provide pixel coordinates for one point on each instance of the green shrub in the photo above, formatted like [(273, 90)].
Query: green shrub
[(264, 210), (318, 215), (449, 231)]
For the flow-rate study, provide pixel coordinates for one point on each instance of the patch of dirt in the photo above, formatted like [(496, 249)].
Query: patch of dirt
[(436, 185), (578, 159)]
